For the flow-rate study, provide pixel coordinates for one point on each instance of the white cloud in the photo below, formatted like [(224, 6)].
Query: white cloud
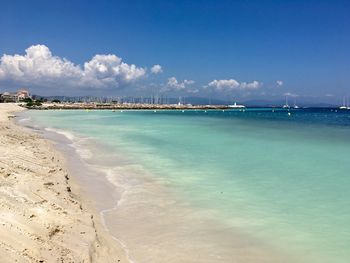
[(223, 84), (174, 85), (188, 82), (290, 94), (105, 70), (193, 91), (279, 83), (232, 84), (252, 85), (172, 82), (156, 69), (38, 67)]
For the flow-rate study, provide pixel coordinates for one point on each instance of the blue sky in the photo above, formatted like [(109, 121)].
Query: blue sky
[(253, 49)]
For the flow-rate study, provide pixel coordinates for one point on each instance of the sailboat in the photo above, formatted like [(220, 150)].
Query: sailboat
[(286, 106), (344, 107), (347, 105), (295, 104)]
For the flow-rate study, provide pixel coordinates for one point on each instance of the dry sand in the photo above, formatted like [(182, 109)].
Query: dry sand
[(42, 216)]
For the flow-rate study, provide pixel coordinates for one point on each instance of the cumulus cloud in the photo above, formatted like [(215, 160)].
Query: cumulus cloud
[(156, 69), (252, 85), (279, 83), (174, 85), (40, 68), (232, 84), (224, 84)]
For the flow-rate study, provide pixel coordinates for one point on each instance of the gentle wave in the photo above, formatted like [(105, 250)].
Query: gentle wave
[(76, 142)]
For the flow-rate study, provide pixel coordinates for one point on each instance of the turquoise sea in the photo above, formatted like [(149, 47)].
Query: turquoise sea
[(260, 185)]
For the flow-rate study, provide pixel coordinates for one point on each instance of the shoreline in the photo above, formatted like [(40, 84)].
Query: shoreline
[(44, 216), (91, 180), (149, 201)]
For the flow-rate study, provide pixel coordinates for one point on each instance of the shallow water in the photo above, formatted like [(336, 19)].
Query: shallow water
[(236, 186)]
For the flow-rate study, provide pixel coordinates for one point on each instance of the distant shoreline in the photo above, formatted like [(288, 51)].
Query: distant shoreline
[(138, 106), (127, 106)]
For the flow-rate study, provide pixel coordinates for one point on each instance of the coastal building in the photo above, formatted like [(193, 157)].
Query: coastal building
[(8, 97), (22, 94), (18, 96)]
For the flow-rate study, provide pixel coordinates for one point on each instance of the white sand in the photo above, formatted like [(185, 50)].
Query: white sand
[(42, 218)]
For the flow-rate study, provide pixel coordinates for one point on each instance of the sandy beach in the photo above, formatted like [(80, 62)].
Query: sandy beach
[(42, 215)]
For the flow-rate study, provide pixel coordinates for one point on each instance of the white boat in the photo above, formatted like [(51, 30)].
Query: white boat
[(286, 106), (344, 107), (295, 104), (236, 106)]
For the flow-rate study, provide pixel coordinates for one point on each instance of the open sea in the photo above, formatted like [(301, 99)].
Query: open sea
[(260, 185)]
